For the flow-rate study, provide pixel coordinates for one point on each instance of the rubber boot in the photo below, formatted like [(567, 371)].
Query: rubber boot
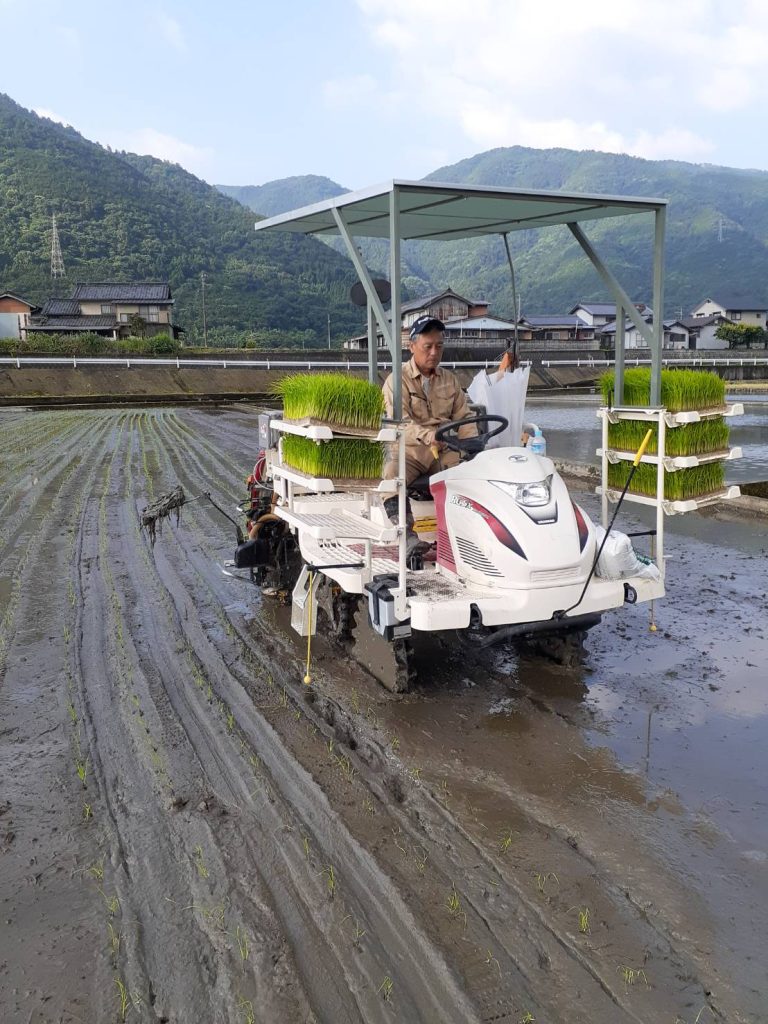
[(414, 548)]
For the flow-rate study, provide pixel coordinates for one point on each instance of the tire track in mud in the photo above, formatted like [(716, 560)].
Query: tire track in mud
[(536, 923)]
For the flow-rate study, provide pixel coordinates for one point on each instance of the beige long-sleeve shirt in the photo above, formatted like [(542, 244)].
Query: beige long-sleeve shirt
[(427, 408)]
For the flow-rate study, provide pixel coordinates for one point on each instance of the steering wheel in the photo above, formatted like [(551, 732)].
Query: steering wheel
[(448, 434)]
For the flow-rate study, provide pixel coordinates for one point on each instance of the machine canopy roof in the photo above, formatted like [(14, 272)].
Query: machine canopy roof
[(432, 210)]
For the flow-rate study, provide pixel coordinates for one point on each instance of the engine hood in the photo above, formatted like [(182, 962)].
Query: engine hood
[(515, 465)]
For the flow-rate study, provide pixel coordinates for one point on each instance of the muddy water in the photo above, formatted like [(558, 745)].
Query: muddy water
[(572, 431), (510, 842)]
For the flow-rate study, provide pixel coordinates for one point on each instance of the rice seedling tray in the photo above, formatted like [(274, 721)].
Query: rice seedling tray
[(672, 508), (674, 462), (338, 524), (317, 431), (672, 419), (327, 485)]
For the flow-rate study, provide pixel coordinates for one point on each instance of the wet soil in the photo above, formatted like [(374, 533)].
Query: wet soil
[(188, 833)]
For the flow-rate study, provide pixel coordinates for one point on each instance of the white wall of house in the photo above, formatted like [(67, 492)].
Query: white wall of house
[(754, 317), (704, 337)]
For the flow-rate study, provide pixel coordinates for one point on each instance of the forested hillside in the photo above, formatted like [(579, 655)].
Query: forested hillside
[(717, 232), (124, 217)]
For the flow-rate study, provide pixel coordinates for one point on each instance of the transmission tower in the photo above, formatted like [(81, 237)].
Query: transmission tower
[(57, 260)]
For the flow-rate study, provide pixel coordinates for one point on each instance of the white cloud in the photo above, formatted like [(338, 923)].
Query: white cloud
[(165, 147), (170, 30), (44, 112), (634, 76)]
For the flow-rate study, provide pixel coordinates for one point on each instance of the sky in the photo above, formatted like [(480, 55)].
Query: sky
[(242, 93)]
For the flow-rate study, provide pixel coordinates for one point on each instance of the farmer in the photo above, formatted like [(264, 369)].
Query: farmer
[(432, 397)]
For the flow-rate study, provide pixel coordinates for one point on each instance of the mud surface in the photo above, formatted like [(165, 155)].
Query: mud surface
[(187, 833)]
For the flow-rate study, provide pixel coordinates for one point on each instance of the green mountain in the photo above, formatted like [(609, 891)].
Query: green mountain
[(717, 232), (284, 194), (123, 217)]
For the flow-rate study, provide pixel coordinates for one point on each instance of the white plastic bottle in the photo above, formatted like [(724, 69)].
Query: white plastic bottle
[(537, 444)]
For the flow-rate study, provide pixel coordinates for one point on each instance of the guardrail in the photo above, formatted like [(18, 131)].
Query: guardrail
[(347, 364)]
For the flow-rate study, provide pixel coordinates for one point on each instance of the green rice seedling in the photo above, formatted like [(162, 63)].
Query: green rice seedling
[(368, 806), (202, 870), (354, 701), (505, 840), (97, 870), (122, 998), (386, 988), (490, 959), (583, 913), (543, 878), (230, 721), (421, 860), (394, 744), (115, 938), (527, 1018), (246, 1009), (81, 767), (241, 937), (341, 459), (680, 389), (631, 975), (330, 879), (678, 486), (690, 439), (305, 844), (453, 904), (87, 812), (332, 398), (72, 712), (112, 902)]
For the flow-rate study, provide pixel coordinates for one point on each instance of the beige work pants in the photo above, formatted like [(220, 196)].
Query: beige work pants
[(419, 459)]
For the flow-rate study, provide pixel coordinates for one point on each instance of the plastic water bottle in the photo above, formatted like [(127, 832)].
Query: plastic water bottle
[(537, 444)]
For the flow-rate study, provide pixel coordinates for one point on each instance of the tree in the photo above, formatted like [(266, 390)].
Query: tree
[(741, 335), (138, 325)]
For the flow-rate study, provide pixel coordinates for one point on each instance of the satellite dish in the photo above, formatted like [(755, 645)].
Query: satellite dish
[(383, 290)]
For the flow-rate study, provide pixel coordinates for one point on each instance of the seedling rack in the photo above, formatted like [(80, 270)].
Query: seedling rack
[(664, 420)]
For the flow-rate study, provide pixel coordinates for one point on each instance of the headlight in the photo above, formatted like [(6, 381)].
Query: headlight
[(530, 495)]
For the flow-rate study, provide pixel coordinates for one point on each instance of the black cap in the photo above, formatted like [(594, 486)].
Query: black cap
[(426, 323)]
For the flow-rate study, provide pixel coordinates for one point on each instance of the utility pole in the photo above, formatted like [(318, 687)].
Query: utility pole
[(57, 259), (329, 332), (205, 322)]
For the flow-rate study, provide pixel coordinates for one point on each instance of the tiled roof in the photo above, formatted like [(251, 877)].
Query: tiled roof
[(427, 300), (123, 292), (478, 323), (596, 308), (72, 323), (565, 320), (61, 307), (702, 321), (18, 298), (727, 300)]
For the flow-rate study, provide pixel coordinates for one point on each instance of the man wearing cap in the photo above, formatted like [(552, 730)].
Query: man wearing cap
[(432, 397)]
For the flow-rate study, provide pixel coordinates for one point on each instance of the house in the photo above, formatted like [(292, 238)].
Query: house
[(701, 330), (479, 330), (739, 309), (110, 309), (598, 314), (446, 305), (15, 313), (675, 334), (555, 327)]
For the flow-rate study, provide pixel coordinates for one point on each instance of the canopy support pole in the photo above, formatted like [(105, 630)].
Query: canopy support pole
[(395, 333), (362, 272), (373, 342), (618, 355), (622, 299), (660, 221)]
